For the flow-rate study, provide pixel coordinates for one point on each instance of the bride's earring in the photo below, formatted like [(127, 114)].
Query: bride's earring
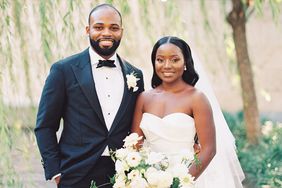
[(185, 68)]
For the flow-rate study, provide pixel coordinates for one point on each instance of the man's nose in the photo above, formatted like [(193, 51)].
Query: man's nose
[(106, 32)]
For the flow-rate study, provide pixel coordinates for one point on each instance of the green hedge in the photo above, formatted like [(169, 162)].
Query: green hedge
[(261, 163)]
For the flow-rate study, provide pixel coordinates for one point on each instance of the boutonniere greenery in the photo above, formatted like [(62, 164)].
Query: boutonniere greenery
[(131, 80)]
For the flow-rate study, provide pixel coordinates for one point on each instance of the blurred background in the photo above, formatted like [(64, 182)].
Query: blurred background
[(239, 44)]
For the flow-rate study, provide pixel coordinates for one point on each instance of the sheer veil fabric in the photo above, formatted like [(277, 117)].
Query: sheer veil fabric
[(225, 167)]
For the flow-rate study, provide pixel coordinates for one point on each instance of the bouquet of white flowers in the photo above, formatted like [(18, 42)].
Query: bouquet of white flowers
[(141, 168)]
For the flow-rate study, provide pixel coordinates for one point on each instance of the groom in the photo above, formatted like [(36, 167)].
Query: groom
[(90, 92)]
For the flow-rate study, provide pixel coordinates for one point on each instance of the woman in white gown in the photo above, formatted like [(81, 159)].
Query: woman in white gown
[(174, 111)]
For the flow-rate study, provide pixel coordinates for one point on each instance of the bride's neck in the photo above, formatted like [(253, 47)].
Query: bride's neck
[(173, 87)]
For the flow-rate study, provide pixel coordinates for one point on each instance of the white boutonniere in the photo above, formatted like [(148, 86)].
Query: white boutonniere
[(131, 81)]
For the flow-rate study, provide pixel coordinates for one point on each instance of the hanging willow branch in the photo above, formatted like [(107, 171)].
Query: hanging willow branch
[(124, 7), (204, 11), (17, 9), (144, 4), (6, 49), (46, 33), (68, 25)]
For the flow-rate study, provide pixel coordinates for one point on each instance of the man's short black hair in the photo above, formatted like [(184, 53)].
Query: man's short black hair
[(104, 5)]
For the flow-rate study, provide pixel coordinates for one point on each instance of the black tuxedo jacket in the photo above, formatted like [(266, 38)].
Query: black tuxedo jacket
[(69, 94)]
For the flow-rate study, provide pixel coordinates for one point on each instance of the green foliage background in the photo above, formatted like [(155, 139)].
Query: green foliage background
[(262, 163)]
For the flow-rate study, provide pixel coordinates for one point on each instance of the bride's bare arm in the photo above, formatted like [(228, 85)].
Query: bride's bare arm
[(205, 129), (137, 116)]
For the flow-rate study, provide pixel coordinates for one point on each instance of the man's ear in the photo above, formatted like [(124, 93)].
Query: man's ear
[(121, 31), (87, 29)]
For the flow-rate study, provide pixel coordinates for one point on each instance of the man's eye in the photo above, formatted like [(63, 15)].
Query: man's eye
[(114, 28), (98, 27)]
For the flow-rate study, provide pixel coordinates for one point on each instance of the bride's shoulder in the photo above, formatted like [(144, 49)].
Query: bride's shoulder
[(199, 97), (195, 93), (191, 90), (147, 94)]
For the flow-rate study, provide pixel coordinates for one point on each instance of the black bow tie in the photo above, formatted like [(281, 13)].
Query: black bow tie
[(106, 63)]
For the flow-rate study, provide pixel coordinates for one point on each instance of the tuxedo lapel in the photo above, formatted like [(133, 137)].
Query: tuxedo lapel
[(83, 74), (127, 94)]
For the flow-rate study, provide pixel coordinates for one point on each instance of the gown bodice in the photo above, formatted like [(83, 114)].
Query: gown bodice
[(174, 134), (171, 134)]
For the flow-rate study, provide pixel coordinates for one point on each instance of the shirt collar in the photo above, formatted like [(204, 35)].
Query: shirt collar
[(94, 58)]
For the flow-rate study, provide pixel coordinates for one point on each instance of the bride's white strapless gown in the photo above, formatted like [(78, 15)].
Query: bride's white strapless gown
[(173, 134)]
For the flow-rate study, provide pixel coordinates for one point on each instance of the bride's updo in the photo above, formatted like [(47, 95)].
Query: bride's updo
[(190, 76)]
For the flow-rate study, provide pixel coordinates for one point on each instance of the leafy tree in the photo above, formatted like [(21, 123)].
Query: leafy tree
[(237, 18)]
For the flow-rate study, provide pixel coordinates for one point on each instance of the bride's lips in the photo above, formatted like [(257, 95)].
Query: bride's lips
[(168, 74)]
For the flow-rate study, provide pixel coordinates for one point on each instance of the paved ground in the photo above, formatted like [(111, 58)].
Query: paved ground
[(28, 167)]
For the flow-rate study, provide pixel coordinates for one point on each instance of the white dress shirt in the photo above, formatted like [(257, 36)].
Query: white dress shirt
[(109, 85)]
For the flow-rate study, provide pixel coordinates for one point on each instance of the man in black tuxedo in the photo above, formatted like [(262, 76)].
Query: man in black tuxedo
[(94, 92)]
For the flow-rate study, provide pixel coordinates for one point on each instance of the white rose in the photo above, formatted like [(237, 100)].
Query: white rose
[(121, 153), (179, 170), (133, 159), (121, 166), (119, 185), (134, 174), (167, 179), (118, 166), (149, 171), (139, 183), (159, 179), (154, 158), (131, 140), (153, 176), (120, 180)]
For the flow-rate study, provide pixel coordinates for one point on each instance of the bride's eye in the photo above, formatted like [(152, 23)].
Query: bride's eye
[(159, 60), (174, 60)]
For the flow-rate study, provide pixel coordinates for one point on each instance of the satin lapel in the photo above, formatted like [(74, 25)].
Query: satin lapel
[(127, 94), (83, 74)]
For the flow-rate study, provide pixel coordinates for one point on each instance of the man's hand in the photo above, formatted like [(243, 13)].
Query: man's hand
[(57, 180)]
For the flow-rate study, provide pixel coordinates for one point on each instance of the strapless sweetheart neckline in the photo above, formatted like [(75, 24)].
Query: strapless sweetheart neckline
[(169, 134), (168, 115)]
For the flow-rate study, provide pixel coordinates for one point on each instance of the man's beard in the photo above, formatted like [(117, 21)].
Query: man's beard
[(104, 51)]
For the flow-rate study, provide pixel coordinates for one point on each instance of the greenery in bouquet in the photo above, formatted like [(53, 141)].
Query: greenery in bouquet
[(142, 168)]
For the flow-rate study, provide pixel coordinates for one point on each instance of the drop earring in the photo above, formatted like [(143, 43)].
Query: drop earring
[(185, 68)]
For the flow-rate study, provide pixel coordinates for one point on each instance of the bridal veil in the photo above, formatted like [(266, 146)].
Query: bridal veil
[(225, 168)]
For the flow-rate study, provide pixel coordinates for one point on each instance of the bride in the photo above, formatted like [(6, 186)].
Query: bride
[(171, 114)]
